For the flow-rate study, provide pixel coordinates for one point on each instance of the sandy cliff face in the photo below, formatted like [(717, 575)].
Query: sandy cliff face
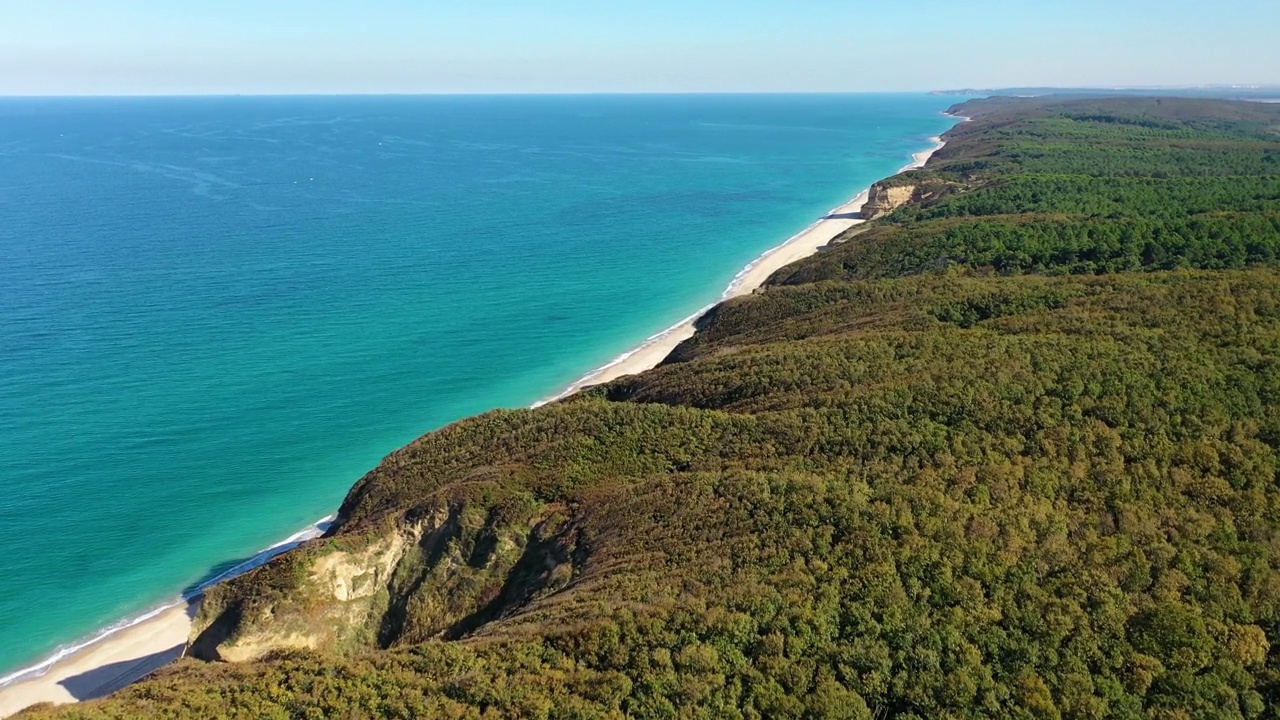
[(337, 595), (884, 199), (442, 573)]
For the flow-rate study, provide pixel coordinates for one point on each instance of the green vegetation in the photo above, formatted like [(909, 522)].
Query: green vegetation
[(1081, 187), (1010, 452)]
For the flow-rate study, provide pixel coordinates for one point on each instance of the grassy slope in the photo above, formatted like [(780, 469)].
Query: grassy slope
[(1009, 452)]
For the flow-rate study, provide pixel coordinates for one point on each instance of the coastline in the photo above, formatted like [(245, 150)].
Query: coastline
[(807, 242), (128, 652), (101, 668)]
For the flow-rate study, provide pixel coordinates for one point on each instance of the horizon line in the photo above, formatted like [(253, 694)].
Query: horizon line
[(496, 93), (958, 91)]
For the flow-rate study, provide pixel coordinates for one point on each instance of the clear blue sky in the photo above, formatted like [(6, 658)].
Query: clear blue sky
[(325, 46)]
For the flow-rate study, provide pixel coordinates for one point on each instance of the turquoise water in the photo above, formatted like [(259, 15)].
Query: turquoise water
[(216, 314)]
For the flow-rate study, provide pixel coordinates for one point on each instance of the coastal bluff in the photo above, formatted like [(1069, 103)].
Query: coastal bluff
[(884, 197), (442, 572), (1009, 451), (914, 187)]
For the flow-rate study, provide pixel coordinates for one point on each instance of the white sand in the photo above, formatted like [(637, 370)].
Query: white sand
[(119, 658), (135, 652), (655, 349), (104, 667)]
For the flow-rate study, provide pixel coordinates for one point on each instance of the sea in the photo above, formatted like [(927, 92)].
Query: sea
[(217, 313)]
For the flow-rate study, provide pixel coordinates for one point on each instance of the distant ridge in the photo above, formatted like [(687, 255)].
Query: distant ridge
[(1226, 92)]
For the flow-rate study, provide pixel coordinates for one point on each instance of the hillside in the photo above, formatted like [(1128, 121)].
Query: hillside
[(1009, 451)]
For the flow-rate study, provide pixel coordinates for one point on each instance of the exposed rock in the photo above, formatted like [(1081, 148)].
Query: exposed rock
[(442, 572), (884, 199), (343, 590)]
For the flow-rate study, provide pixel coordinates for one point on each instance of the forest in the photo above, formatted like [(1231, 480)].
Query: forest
[(1010, 451)]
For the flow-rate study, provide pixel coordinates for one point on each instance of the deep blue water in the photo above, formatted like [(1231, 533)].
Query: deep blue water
[(217, 313)]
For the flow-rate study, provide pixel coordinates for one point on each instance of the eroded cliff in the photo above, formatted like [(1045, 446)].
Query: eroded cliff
[(884, 198), (439, 572)]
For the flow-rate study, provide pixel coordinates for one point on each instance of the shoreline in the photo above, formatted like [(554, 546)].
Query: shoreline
[(809, 241), (128, 651)]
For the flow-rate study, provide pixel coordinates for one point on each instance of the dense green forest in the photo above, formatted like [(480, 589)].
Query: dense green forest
[(1081, 187), (1009, 452)]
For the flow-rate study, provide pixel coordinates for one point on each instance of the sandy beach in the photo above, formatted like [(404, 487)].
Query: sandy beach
[(122, 657), (126, 656), (104, 667), (816, 236)]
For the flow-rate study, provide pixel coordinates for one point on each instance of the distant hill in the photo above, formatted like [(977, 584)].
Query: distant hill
[(1009, 451), (1221, 92)]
